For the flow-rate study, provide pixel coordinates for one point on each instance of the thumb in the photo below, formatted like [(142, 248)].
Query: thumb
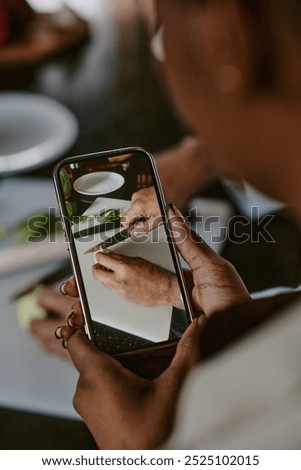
[(192, 247), (85, 355), (188, 351)]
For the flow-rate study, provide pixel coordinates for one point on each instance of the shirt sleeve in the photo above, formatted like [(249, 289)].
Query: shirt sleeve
[(247, 397)]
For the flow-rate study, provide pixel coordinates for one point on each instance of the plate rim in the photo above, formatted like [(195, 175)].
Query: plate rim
[(42, 153), (85, 193)]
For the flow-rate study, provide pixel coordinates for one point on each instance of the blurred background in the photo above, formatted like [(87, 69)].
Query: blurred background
[(78, 77)]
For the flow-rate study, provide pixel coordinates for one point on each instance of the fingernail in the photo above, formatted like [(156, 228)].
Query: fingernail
[(57, 332), (65, 344), (176, 210), (138, 233), (70, 319), (62, 289), (201, 320)]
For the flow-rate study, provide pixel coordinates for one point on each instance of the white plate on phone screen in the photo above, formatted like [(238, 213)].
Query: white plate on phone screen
[(34, 131), (100, 182)]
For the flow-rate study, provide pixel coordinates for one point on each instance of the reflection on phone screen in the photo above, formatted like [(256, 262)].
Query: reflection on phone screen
[(126, 263)]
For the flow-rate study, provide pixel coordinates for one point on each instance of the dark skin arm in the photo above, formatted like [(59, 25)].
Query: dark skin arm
[(124, 410)]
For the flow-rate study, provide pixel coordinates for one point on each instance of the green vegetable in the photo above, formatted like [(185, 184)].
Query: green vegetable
[(3, 231), (28, 308), (71, 208), (102, 249), (82, 218), (38, 227), (111, 215), (66, 184)]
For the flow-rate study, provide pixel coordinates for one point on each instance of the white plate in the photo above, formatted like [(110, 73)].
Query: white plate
[(100, 182), (34, 130)]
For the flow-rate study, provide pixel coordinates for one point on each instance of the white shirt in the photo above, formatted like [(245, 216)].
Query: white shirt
[(249, 396)]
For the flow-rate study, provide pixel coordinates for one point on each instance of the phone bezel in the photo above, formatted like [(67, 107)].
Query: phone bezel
[(73, 253)]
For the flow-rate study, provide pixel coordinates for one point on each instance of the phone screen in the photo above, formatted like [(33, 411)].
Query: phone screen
[(126, 267)]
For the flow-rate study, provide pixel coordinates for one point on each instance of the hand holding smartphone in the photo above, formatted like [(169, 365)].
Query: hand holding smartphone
[(127, 269)]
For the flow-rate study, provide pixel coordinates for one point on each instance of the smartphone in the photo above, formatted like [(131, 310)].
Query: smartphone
[(128, 272)]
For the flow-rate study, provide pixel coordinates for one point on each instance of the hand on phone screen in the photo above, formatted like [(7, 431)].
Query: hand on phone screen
[(144, 214), (129, 275)]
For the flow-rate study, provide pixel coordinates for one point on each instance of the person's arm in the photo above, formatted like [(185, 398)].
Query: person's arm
[(14, 18), (226, 326), (185, 170), (121, 409), (35, 36), (124, 410), (137, 280)]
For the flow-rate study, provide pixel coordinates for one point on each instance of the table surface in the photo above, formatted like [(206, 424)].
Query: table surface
[(31, 379)]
